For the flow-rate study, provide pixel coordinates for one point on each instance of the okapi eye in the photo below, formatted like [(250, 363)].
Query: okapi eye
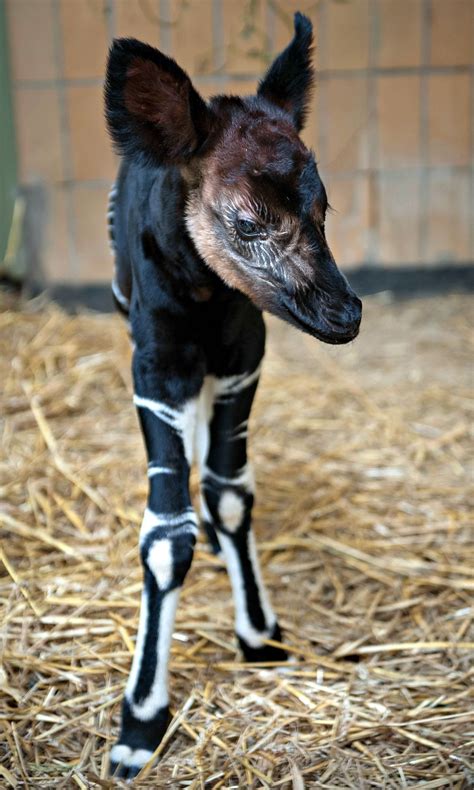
[(247, 229)]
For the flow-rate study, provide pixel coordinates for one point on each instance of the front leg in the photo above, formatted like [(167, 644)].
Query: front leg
[(228, 495), (166, 404)]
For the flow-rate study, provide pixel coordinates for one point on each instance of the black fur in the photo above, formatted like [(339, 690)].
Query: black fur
[(267, 653), (289, 80), (142, 126), (195, 315), (139, 735)]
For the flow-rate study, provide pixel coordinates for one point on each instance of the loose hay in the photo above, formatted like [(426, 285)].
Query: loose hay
[(361, 459)]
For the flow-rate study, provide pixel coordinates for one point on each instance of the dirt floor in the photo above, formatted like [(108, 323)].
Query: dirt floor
[(363, 481)]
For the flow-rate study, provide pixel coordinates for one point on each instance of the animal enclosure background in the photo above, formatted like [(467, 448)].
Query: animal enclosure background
[(363, 453), (364, 527), (391, 120)]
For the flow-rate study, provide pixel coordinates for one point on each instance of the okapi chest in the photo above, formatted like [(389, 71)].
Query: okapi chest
[(217, 214)]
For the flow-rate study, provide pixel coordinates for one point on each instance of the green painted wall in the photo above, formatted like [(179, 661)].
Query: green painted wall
[(7, 140)]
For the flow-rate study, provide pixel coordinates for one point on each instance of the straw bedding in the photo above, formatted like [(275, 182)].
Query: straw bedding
[(362, 516)]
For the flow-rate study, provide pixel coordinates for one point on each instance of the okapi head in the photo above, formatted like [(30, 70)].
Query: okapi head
[(256, 205)]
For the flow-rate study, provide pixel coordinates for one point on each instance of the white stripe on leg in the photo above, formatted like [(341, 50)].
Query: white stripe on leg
[(231, 385), (182, 420), (158, 696), (139, 647), (244, 478), (243, 624), (268, 612), (204, 415), (151, 520), (160, 470)]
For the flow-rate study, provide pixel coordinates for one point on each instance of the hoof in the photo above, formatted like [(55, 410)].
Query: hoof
[(137, 742), (266, 652), (125, 762)]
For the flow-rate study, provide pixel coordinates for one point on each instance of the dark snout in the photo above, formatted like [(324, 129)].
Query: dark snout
[(342, 313), (333, 317)]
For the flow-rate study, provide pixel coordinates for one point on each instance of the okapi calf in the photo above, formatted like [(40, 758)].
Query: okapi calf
[(217, 214)]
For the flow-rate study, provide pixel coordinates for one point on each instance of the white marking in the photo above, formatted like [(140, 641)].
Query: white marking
[(160, 470), (239, 432), (120, 752), (244, 478), (121, 299), (268, 612), (202, 435), (231, 510), (243, 625), (242, 435), (128, 757), (182, 420), (158, 696), (160, 562), (188, 429), (232, 385), (151, 520), (205, 512), (139, 647), (138, 758), (110, 227), (204, 415)]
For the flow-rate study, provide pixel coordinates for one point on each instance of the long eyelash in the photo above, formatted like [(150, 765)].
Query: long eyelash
[(229, 211), (256, 207), (264, 213)]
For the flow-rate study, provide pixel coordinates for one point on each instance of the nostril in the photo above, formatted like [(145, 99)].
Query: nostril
[(343, 312), (346, 315), (356, 310), (351, 309)]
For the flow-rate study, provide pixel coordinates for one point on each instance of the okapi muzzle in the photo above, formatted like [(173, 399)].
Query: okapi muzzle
[(328, 308), (217, 214)]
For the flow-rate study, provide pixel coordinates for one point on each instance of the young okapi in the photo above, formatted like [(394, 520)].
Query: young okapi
[(217, 214)]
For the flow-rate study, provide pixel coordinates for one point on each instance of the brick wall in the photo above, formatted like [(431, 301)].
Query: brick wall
[(391, 123)]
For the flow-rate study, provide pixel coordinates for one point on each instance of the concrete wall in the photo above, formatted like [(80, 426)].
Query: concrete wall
[(7, 144), (391, 123)]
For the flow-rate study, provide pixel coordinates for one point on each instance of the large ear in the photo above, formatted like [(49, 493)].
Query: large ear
[(289, 80), (152, 109)]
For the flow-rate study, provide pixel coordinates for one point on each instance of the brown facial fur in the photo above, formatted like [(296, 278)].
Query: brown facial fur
[(199, 222), (255, 165)]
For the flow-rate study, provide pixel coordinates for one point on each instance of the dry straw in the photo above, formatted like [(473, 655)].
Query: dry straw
[(362, 464)]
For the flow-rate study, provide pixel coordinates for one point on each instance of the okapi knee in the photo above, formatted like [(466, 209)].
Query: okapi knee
[(229, 506), (228, 501), (167, 557)]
